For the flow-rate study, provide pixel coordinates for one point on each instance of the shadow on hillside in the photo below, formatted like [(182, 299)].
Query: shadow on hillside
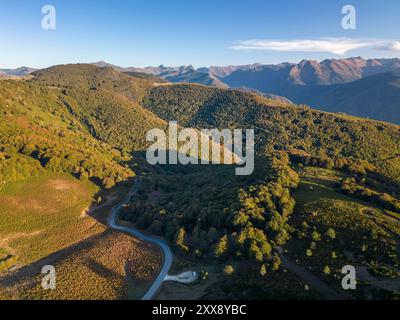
[(27, 273), (101, 270)]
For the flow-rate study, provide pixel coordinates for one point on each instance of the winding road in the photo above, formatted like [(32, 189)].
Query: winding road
[(166, 251)]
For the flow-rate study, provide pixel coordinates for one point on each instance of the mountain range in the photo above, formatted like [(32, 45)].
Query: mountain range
[(268, 78)]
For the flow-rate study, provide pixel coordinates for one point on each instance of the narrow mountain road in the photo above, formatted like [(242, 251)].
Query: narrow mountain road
[(166, 251)]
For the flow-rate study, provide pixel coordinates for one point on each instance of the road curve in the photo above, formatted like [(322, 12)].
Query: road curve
[(166, 251)]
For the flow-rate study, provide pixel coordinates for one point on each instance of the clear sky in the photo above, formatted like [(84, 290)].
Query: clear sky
[(198, 32)]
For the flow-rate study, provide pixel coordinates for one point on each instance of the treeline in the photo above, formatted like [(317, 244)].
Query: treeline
[(355, 188), (213, 213), (352, 166)]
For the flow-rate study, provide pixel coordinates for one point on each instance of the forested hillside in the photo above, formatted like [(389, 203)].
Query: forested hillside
[(211, 213), (279, 126)]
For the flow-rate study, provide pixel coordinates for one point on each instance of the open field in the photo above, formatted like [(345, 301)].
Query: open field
[(42, 215)]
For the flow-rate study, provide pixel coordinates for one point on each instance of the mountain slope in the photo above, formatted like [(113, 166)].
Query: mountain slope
[(332, 85), (376, 97)]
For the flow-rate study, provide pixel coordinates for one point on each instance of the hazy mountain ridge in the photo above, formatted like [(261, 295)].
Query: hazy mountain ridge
[(376, 97), (331, 85), (307, 72)]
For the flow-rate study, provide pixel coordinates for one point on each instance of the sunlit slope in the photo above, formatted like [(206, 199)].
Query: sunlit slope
[(105, 101), (38, 133)]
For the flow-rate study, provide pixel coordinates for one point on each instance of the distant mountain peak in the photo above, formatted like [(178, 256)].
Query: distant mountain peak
[(17, 72)]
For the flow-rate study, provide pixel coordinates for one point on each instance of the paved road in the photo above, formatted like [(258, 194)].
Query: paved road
[(166, 251)]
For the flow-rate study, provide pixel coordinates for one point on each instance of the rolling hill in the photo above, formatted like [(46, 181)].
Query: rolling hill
[(105, 100)]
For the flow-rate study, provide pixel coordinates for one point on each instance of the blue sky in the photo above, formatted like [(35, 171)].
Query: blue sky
[(201, 33)]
